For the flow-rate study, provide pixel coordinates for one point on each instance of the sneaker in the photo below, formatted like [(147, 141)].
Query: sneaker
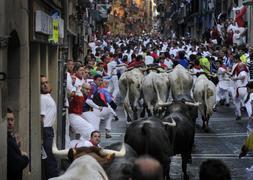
[(107, 134)]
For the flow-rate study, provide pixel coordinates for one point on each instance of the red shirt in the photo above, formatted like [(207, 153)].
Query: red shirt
[(164, 66), (154, 55), (239, 17), (76, 104), (239, 68), (135, 63)]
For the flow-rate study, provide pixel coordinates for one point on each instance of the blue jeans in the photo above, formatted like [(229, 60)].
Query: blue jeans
[(51, 167)]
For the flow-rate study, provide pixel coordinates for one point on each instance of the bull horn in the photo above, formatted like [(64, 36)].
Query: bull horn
[(165, 104), (169, 70), (59, 153), (120, 153), (192, 104), (143, 69), (161, 70), (192, 73), (173, 123)]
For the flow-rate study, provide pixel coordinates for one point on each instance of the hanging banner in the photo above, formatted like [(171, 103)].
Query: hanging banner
[(56, 21)]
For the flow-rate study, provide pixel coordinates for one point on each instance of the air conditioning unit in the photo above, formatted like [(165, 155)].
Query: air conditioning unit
[(247, 2)]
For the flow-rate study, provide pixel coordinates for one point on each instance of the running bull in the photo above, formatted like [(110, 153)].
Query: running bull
[(181, 82), (184, 113), (204, 92), (155, 88), (130, 89), (149, 136), (121, 167), (88, 162)]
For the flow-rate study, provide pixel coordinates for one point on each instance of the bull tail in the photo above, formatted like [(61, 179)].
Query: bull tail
[(146, 133), (126, 104), (207, 94), (157, 92)]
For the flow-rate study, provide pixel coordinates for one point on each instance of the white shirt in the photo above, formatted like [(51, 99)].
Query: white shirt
[(168, 63), (93, 47), (48, 109), (111, 68), (80, 143), (243, 82), (78, 84), (148, 60), (173, 51), (69, 82), (224, 81)]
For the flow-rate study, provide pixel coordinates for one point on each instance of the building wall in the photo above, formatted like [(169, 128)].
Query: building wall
[(3, 124), (14, 60), (23, 62), (250, 25)]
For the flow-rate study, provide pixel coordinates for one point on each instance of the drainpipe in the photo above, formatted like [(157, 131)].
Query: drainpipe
[(62, 83)]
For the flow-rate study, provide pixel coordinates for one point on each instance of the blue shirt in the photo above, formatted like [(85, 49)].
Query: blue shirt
[(184, 62)]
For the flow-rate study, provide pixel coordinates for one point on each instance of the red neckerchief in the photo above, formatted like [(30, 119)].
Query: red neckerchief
[(76, 75), (93, 143), (223, 66), (197, 67), (239, 68)]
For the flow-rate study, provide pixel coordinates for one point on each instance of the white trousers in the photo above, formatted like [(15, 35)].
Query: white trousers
[(92, 118), (81, 126), (222, 94), (107, 115), (242, 92), (67, 137), (113, 87)]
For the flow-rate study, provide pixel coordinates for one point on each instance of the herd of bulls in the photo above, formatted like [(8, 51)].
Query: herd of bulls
[(168, 130)]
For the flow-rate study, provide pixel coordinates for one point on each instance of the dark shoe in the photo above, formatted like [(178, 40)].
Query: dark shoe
[(116, 118), (238, 118), (228, 105), (243, 152), (107, 136)]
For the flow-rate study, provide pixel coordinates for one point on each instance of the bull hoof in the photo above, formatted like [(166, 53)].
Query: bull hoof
[(186, 177), (214, 109), (135, 116), (189, 161), (142, 115), (207, 130)]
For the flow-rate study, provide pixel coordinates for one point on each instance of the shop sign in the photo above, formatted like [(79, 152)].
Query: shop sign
[(43, 23)]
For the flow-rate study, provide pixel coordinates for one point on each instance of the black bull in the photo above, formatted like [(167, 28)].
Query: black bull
[(185, 117), (150, 136), (121, 168)]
